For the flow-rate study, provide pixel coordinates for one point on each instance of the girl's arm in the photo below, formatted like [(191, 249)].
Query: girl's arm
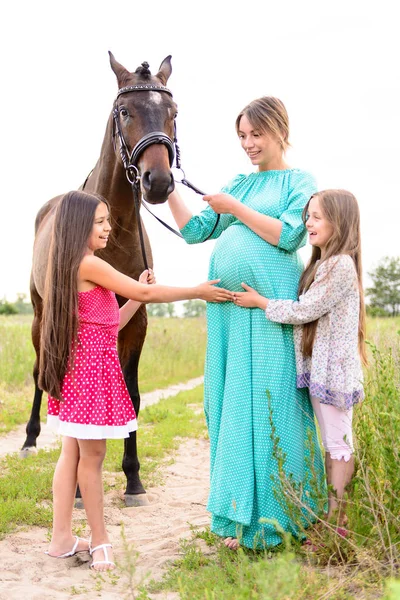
[(333, 281), (128, 309), (250, 298), (96, 270)]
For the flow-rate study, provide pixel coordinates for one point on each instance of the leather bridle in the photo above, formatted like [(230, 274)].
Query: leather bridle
[(130, 160)]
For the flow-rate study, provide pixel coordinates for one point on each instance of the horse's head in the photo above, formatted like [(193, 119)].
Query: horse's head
[(141, 112)]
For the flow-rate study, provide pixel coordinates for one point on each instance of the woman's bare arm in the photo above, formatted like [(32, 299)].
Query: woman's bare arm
[(180, 211)]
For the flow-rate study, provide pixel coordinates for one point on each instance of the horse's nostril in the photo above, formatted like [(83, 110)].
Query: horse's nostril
[(146, 180), (157, 185), (171, 186)]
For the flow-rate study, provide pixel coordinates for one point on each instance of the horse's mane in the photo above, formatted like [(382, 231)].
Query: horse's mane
[(143, 70)]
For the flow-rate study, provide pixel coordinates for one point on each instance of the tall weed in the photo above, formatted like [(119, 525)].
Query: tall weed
[(373, 498)]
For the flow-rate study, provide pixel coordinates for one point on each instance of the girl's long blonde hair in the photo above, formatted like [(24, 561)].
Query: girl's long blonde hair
[(73, 224), (341, 209)]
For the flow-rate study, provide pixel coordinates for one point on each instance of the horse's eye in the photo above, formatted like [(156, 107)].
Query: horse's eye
[(123, 112)]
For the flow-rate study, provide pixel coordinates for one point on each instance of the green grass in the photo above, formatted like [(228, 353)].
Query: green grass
[(173, 352), (207, 570), (383, 333), (25, 485), (16, 350), (15, 406)]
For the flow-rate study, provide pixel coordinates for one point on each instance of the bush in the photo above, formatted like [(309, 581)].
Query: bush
[(6, 308), (376, 311)]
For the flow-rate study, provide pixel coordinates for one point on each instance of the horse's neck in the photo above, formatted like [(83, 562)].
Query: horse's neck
[(109, 180)]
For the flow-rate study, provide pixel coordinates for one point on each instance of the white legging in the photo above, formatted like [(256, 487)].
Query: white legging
[(336, 429)]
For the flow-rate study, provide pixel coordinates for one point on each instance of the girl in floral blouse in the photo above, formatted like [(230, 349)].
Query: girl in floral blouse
[(329, 332)]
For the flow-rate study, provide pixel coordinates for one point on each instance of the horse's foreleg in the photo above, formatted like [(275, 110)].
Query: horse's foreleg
[(33, 425), (130, 343), (130, 462), (131, 467)]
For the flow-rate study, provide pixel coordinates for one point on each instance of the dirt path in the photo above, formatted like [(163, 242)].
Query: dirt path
[(153, 531), (12, 442)]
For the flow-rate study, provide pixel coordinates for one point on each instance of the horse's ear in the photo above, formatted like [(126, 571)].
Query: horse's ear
[(165, 70), (121, 73)]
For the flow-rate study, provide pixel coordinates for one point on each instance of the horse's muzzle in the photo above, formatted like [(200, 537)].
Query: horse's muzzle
[(157, 185)]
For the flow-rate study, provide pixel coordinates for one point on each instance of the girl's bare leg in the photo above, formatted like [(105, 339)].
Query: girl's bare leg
[(339, 474), (336, 433), (92, 453), (64, 488)]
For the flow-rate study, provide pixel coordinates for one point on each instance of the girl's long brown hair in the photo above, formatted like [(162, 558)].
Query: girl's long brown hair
[(341, 209), (73, 223)]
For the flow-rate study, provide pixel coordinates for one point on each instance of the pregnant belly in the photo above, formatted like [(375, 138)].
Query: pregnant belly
[(242, 256)]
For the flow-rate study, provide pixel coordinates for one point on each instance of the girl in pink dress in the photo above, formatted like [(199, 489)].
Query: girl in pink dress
[(329, 332), (79, 365)]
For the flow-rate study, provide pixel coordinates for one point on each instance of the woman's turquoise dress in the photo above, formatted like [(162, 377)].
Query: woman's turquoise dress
[(250, 359)]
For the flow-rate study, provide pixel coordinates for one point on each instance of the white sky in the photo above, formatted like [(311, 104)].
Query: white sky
[(334, 65)]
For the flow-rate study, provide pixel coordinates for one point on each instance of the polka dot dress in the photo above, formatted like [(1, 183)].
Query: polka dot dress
[(96, 402), (250, 359)]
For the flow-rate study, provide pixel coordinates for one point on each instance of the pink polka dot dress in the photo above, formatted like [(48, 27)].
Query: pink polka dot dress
[(96, 401)]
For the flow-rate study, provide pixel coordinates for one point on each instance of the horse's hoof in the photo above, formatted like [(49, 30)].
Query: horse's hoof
[(78, 503), (30, 451), (136, 500)]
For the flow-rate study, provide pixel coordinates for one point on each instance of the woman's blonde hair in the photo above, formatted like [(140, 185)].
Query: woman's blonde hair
[(268, 115), (340, 208)]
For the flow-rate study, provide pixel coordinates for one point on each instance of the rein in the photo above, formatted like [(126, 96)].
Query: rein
[(130, 160)]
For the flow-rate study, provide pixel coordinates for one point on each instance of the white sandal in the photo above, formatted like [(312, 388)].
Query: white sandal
[(74, 549), (106, 560)]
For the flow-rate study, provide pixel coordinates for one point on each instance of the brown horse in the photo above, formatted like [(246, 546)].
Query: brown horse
[(143, 106)]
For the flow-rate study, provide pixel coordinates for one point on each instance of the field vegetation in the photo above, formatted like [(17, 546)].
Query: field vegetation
[(364, 565)]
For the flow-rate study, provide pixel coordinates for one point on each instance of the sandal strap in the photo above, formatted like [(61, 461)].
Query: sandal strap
[(102, 562), (106, 560), (74, 547), (101, 547)]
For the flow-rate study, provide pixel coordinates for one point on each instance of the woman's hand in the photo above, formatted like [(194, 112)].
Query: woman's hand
[(221, 203), (250, 298), (209, 292), (147, 277)]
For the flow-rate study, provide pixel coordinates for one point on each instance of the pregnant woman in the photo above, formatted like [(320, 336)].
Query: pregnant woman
[(250, 372)]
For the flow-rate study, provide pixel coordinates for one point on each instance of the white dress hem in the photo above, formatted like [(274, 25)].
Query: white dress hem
[(90, 432)]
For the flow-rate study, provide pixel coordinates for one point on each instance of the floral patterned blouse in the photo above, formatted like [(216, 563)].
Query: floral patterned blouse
[(333, 373)]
